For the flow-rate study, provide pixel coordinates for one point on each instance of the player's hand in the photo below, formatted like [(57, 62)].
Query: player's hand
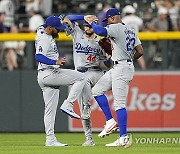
[(108, 56), (69, 28), (66, 20), (90, 18), (61, 61)]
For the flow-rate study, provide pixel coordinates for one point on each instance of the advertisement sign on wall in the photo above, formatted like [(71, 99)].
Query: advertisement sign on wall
[(153, 104)]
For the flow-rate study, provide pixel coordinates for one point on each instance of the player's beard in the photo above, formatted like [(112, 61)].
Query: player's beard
[(54, 35), (89, 34)]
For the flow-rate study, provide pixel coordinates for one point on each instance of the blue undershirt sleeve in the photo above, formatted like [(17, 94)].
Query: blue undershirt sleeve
[(43, 59), (99, 30), (74, 18)]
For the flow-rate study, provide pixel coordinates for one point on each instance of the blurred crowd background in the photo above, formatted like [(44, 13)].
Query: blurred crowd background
[(142, 15)]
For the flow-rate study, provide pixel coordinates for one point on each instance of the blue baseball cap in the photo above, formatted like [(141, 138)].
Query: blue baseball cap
[(111, 12), (54, 21)]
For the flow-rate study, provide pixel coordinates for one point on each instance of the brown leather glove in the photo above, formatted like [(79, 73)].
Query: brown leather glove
[(105, 44)]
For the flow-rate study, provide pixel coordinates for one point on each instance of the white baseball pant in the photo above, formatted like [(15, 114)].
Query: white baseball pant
[(117, 79)]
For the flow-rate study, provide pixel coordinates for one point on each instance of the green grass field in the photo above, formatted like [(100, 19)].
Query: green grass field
[(33, 143)]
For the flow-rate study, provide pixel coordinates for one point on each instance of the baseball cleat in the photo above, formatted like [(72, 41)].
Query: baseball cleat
[(67, 108), (124, 141), (55, 144), (111, 125), (89, 142)]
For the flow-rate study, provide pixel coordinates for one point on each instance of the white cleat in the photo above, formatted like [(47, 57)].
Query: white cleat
[(124, 141), (111, 125), (88, 143), (55, 144), (67, 108)]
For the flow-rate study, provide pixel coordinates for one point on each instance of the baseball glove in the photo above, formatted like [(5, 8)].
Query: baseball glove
[(105, 44)]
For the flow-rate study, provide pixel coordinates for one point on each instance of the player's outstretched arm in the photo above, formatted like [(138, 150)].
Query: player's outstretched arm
[(69, 26), (74, 18), (45, 60), (70, 19), (99, 30)]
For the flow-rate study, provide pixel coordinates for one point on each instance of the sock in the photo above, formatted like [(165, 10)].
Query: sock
[(122, 121), (103, 103)]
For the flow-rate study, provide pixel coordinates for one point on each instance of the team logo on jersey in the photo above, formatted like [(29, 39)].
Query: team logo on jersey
[(55, 48), (85, 49)]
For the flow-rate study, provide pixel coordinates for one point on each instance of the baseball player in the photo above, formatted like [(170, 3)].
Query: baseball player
[(126, 47), (87, 56), (51, 76)]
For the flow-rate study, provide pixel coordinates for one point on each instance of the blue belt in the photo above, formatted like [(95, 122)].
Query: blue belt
[(117, 62), (85, 69)]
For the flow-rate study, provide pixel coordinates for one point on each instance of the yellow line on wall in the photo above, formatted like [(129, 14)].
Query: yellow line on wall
[(62, 37)]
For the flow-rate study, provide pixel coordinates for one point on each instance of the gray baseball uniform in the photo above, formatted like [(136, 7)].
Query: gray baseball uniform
[(121, 74), (87, 57), (50, 77)]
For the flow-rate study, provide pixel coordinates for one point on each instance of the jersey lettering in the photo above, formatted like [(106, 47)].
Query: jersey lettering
[(85, 49)]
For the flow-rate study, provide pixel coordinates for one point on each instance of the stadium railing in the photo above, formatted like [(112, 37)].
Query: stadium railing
[(144, 36), (164, 37)]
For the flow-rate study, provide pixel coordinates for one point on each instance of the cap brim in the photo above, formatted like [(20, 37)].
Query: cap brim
[(104, 19)]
